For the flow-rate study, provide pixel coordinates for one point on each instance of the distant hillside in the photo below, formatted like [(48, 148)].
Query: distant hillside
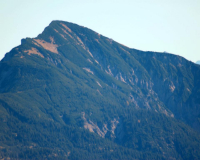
[(198, 62), (72, 93)]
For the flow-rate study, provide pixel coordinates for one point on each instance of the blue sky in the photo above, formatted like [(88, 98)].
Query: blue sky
[(150, 25)]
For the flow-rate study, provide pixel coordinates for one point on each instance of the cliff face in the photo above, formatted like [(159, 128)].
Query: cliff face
[(107, 98), (176, 82)]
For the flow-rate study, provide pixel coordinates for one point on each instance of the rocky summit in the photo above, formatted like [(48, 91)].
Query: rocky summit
[(72, 93)]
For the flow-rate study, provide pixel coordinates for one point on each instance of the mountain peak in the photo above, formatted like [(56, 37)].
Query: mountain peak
[(58, 34), (74, 93)]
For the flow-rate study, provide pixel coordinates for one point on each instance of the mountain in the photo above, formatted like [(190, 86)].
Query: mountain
[(198, 62), (71, 93)]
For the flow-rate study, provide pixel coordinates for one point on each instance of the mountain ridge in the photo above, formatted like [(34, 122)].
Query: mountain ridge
[(109, 99)]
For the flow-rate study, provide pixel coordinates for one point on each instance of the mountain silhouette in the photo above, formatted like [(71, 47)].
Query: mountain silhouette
[(72, 93)]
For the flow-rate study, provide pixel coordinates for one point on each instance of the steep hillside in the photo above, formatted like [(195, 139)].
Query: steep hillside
[(71, 93)]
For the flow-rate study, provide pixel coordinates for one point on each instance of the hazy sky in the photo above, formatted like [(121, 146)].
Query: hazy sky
[(154, 25)]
